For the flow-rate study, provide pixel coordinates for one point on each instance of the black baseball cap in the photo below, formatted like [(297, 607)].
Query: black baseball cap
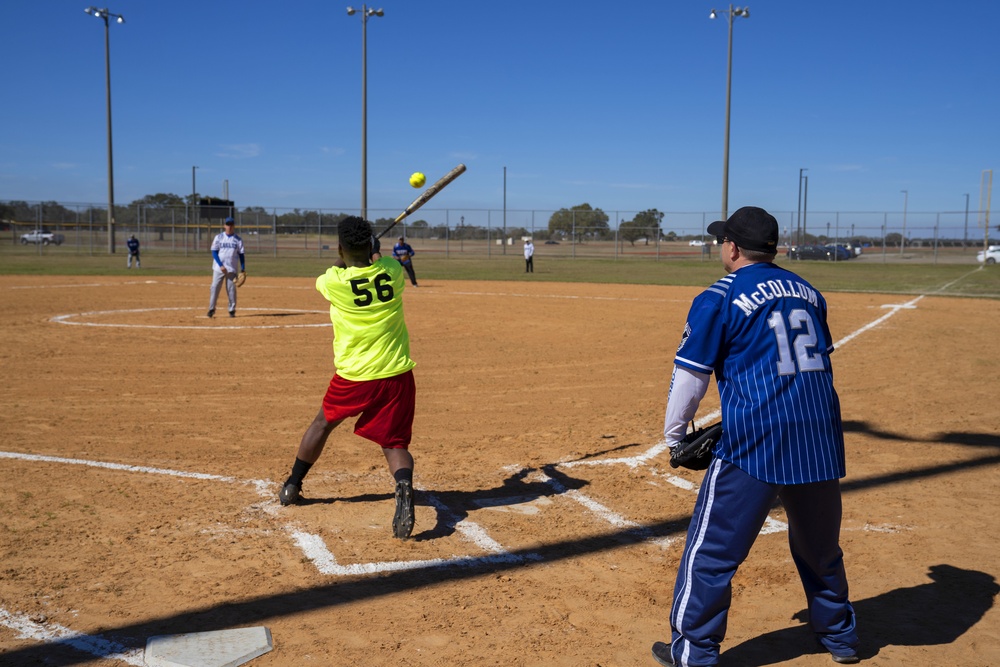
[(750, 227)]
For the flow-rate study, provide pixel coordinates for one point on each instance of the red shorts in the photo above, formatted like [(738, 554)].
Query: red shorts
[(385, 406)]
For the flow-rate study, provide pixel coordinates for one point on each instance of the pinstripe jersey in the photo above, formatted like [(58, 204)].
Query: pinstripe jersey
[(763, 331)]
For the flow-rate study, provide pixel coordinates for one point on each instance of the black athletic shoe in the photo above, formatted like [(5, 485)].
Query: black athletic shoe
[(661, 654), (402, 521), (850, 659), (211, 313), (289, 494), (232, 313)]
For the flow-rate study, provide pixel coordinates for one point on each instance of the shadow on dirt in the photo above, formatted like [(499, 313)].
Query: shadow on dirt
[(452, 507), (925, 615), (929, 614)]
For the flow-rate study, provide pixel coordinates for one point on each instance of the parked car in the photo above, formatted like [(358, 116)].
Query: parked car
[(552, 243), (839, 252), (696, 242), (991, 256), (855, 246), (42, 236), (809, 252)]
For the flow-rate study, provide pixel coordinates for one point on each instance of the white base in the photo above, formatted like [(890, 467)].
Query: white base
[(222, 648)]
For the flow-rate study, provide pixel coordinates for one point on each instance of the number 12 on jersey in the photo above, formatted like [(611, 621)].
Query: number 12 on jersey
[(803, 328)]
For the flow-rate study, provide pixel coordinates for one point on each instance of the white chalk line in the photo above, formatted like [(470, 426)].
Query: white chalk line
[(122, 466), (315, 549), (70, 319), (606, 513), (54, 633), (893, 309)]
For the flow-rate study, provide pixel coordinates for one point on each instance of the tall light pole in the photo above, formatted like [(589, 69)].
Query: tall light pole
[(104, 14), (799, 219), (731, 14), (805, 206), (365, 13), (902, 239), (194, 211)]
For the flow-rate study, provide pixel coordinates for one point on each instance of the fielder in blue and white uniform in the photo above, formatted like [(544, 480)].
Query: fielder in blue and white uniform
[(763, 332), (227, 248), (403, 252), (133, 252)]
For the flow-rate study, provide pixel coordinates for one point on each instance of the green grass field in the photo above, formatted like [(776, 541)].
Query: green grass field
[(863, 275)]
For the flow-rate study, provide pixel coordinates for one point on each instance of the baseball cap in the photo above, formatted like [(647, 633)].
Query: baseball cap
[(229, 221), (750, 227)]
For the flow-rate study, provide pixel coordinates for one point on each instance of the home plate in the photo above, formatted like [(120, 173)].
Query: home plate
[(222, 648)]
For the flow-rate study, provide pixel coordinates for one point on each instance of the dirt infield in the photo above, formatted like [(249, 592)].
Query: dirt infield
[(142, 446)]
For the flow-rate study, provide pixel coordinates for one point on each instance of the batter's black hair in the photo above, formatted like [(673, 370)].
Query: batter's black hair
[(355, 235)]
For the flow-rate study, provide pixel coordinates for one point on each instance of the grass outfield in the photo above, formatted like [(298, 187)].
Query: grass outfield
[(852, 276)]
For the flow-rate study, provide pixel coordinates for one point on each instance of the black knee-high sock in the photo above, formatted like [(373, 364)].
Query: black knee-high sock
[(404, 475), (299, 471)]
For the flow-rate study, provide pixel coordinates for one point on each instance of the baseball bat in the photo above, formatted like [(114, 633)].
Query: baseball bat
[(425, 196)]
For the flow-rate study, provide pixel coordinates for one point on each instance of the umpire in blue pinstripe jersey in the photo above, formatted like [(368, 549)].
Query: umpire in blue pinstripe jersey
[(763, 332)]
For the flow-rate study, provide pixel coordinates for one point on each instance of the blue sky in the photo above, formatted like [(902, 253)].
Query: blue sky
[(621, 105)]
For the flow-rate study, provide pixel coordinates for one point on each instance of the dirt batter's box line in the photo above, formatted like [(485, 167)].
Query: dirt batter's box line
[(316, 550), (107, 649), (312, 545), (324, 560)]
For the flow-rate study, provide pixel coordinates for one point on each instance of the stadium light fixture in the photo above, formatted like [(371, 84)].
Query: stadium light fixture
[(366, 12), (105, 14), (731, 14)]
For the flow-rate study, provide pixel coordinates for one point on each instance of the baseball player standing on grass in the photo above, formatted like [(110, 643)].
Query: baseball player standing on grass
[(374, 377), (227, 247), (403, 252), (133, 252), (763, 331)]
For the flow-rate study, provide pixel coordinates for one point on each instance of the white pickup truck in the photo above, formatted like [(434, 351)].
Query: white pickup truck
[(42, 236)]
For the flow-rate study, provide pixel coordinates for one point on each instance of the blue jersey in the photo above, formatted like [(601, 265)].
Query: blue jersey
[(403, 252), (763, 331)]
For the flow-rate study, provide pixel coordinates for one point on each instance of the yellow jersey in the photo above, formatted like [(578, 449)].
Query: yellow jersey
[(370, 340)]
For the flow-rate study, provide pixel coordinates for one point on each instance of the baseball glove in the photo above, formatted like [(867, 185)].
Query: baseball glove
[(241, 278), (694, 451)]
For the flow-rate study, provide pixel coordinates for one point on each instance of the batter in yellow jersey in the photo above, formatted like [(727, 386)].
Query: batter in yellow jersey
[(370, 340), (374, 380)]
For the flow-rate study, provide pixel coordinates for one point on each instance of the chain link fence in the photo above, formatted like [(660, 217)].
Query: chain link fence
[(83, 228)]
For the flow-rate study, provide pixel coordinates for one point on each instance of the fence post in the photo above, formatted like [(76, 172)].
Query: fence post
[(937, 222), (885, 221), (618, 226)]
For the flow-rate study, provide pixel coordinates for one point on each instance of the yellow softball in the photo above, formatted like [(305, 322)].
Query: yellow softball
[(417, 179)]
